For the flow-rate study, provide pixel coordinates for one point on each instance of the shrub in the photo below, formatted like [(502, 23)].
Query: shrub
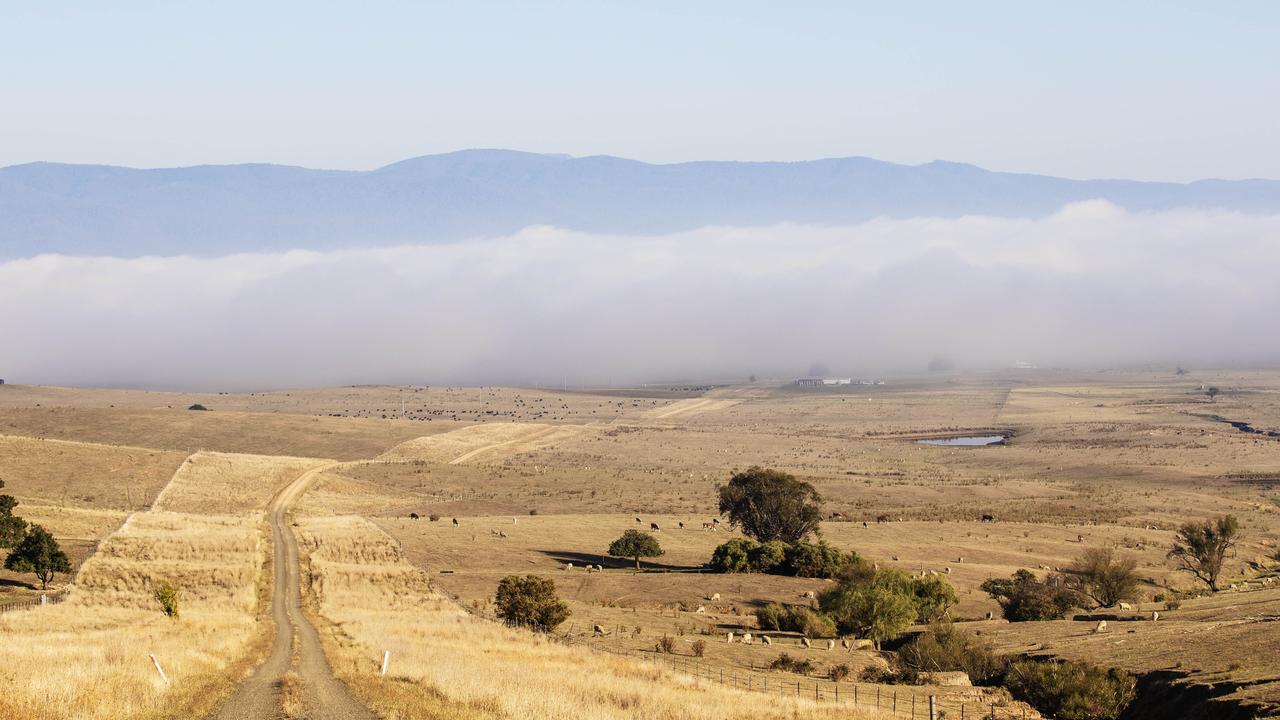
[(877, 612), (666, 644), (531, 602), (1069, 690), (167, 594), (945, 647), (1172, 604), (635, 544), (771, 505), (434, 517), (733, 556), (815, 560), (933, 598), (795, 618), (767, 557), (789, 664), (836, 673), (699, 647), (1105, 578), (533, 511), (1023, 597), (878, 675)]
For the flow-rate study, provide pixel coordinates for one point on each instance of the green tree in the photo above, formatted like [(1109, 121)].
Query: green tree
[(12, 527), (733, 556), (38, 553), (1202, 548), (816, 560), (876, 612), (767, 557), (1071, 690), (635, 544), (945, 648), (1024, 597), (933, 597), (531, 602), (771, 505), (1106, 578)]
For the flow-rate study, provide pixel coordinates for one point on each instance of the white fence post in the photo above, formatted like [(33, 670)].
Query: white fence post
[(386, 658), (44, 599), (160, 670)]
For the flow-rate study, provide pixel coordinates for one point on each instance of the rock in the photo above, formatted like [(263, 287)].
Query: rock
[(949, 679)]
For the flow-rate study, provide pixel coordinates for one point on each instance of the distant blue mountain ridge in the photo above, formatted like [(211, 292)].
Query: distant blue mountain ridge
[(218, 209)]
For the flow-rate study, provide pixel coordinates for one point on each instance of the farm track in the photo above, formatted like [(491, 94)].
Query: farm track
[(323, 696)]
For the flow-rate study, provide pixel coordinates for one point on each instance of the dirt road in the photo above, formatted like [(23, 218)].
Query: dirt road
[(323, 697)]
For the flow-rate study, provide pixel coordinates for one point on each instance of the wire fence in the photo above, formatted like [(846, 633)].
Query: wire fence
[(897, 700), (34, 603)]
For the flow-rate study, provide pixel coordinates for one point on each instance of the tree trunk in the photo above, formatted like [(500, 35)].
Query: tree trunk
[(637, 562)]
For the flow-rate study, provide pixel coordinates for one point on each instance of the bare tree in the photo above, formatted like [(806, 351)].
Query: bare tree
[(1203, 548)]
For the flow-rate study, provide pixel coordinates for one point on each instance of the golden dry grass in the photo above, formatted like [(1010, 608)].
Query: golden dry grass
[(224, 483), (446, 663)]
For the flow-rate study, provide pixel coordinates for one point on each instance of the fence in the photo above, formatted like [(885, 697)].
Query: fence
[(38, 602), (897, 700)]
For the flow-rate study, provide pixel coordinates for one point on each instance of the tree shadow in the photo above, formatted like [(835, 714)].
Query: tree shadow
[(7, 582), (581, 558)]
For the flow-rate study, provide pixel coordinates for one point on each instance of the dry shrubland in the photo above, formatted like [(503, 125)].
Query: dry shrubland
[(451, 664)]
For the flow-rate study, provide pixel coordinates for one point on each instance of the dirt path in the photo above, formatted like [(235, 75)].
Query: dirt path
[(323, 697)]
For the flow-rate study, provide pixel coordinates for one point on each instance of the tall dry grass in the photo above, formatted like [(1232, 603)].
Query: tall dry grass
[(229, 483), (446, 663)]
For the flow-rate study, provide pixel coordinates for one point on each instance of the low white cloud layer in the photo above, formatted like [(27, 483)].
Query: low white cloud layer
[(1090, 286)]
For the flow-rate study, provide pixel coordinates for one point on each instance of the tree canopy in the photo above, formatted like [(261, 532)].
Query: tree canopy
[(1202, 548), (1106, 578), (38, 553), (1024, 597), (771, 505), (12, 527), (530, 601), (635, 544)]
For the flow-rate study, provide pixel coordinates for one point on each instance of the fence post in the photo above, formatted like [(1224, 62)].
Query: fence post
[(44, 599), (993, 711), (913, 706), (160, 670), (895, 700), (933, 707), (386, 658)]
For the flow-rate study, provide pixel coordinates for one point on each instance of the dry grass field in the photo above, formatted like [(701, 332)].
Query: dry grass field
[(1115, 459)]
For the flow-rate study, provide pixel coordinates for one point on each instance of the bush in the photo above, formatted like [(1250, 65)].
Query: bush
[(795, 618), (771, 505), (767, 557), (945, 648), (167, 594), (815, 561), (933, 598), (434, 517), (733, 556), (635, 544), (531, 602), (1105, 578), (1023, 597), (789, 664), (12, 527), (699, 647), (1071, 691), (836, 673), (38, 552), (1172, 604), (877, 612), (666, 644)]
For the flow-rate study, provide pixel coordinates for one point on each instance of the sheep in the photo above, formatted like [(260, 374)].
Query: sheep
[(681, 524), (805, 642), (1101, 627), (807, 595), (654, 527), (831, 645), (413, 516), (568, 566), (455, 522), (746, 638), (990, 615), (715, 597), (701, 609), (1155, 615), (599, 631), (708, 526), (730, 639), (988, 518), (1125, 606), (638, 521), (765, 639)]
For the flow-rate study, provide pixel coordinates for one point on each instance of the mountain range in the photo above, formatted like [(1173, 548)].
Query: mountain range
[(219, 209)]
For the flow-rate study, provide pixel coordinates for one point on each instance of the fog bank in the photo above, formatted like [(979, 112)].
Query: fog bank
[(1091, 285)]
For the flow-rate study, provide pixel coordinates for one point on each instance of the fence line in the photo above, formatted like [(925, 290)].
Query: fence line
[(38, 602)]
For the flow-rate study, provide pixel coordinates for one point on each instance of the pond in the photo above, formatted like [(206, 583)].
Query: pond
[(970, 441)]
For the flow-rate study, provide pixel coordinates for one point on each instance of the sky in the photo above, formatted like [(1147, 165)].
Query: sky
[(1144, 90)]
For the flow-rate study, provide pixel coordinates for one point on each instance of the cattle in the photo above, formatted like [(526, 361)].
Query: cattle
[(413, 516), (988, 518), (946, 570), (638, 521), (654, 527), (893, 558)]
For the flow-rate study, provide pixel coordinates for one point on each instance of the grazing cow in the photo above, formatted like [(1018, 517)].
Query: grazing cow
[(805, 642), (455, 522), (715, 521), (946, 570), (988, 518), (765, 639), (960, 559), (681, 524), (638, 521), (654, 527)]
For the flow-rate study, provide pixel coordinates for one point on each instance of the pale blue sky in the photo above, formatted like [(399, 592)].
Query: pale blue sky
[(1149, 90)]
